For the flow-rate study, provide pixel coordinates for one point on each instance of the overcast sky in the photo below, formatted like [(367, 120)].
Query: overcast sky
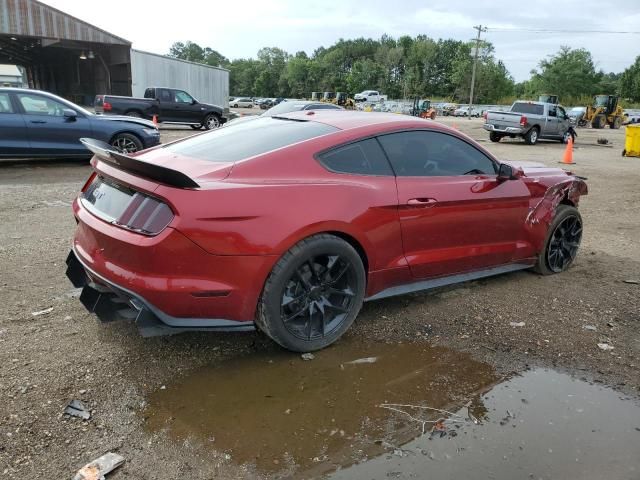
[(240, 28)]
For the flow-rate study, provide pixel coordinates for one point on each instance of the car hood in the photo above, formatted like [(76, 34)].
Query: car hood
[(536, 169), (123, 118)]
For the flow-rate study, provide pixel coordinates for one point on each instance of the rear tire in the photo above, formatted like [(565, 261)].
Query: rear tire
[(494, 137), (196, 127), (616, 124), (133, 114), (126, 143), (211, 121), (313, 294), (562, 241), (531, 137)]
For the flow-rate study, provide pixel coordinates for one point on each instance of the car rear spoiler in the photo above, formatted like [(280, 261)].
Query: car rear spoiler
[(161, 174)]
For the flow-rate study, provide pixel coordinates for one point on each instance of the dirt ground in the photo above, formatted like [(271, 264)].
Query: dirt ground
[(48, 359)]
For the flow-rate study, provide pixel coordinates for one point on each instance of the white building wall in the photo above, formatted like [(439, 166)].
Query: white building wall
[(207, 84)]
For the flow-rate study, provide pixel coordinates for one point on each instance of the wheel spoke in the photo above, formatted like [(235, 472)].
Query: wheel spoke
[(299, 312), (287, 300)]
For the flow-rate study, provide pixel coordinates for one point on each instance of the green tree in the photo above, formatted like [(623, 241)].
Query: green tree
[(568, 73), (630, 82)]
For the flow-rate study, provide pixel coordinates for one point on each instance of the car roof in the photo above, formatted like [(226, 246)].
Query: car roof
[(348, 119)]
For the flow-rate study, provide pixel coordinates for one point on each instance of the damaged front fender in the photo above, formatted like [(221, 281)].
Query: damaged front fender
[(541, 214)]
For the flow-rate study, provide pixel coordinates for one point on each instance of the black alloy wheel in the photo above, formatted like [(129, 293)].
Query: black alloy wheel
[(564, 243), (318, 296), (313, 294)]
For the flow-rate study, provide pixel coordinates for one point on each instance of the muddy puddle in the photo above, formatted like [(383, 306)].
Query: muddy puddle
[(286, 415), (370, 410)]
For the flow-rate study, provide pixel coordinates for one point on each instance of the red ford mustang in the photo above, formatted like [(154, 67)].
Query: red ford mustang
[(289, 223)]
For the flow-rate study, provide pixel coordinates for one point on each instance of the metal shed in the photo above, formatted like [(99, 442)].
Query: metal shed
[(207, 84), (74, 59)]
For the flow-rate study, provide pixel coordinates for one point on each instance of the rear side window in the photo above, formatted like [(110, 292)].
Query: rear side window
[(246, 139), (363, 158), (530, 108)]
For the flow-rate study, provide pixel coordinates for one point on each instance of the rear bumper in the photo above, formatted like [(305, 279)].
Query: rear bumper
[(507, 130), (113, 302)]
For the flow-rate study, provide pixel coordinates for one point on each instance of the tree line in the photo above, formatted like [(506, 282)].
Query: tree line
[(410, 67)]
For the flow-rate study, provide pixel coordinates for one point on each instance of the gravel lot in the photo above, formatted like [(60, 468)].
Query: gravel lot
[(48, 359)]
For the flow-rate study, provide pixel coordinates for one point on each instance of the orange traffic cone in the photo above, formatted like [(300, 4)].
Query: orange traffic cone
[(155, 120), (568, 153)]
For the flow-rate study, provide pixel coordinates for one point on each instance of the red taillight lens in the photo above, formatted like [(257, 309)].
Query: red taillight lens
[(125, 207), (523, 121), (88, 182), (106, 106)]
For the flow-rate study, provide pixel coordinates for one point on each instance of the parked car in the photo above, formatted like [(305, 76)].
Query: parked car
[(289, 223), (369, 96), (241, 102), (576, 114), (464, 112), (34, 123), (297, 105), (530, 121), (169, 105)]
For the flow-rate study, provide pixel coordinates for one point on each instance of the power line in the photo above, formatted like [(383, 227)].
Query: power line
[(546, 30)]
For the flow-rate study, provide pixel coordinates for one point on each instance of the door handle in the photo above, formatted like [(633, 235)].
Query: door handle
[(38, 121), (422, 202)]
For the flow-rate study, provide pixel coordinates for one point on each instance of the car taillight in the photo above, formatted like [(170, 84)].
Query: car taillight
[(88, 182), (106, 106), (125, 207), (523, 121)]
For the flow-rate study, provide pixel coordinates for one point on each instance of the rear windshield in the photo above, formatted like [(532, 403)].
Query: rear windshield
[(531, 108), (241, 140), (285, 107)]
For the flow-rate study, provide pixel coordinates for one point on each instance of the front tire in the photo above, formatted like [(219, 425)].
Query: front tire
[(599, 122), (313, 294), (126, 143), (562, 241), (196, 127), (531, 137)]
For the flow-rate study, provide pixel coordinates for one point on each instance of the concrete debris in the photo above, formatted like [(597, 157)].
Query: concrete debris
[(307, 356), (591, 328), (605, 346), (517, 324), (46, 311), (97, 469), (632, 282), (76, 408)]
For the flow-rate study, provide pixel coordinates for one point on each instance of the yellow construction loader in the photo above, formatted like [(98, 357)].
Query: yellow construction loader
[(604, 111)]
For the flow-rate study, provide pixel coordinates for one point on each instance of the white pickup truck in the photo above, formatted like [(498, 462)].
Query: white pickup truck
[(369, 96)]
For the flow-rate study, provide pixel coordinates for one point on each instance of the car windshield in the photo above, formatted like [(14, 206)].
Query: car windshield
[(285, 107), (241, 140)]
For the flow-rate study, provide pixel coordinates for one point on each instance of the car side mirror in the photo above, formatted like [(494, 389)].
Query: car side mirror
[(69, 114), (194, 101), (506, 172)]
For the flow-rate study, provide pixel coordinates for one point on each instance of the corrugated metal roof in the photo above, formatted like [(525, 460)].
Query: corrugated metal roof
[(10, 71), (35, 19)]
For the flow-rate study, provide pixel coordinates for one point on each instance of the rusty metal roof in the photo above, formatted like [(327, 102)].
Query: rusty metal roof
[(31, 18)]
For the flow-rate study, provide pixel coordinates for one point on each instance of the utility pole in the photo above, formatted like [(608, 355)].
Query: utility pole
[(480, 29)]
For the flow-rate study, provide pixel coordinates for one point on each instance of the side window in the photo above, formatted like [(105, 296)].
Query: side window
[(553, 111), (165, 95), (148, 93), (183, 97), (362, 158), (562, 113), (5, 103), (434, 154), (39, 105)]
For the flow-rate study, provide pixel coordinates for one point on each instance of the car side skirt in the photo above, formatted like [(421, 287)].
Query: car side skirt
[(449, 280)]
